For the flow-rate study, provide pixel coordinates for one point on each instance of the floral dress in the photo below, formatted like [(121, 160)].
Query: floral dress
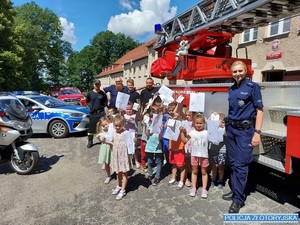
[(120, 158)]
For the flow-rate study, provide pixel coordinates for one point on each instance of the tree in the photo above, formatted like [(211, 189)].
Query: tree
[(79, 69), (10, 51), (105, 49), (40, 35), (109, 47)]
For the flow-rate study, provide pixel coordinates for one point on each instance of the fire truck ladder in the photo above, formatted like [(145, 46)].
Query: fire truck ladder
[(233, 16)]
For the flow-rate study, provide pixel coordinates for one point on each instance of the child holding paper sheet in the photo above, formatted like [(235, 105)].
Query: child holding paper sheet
[(131, 120), (177, 158), (153, 150), (199, 153), (169, 113), (120, 158), (105, 149), (217, 154)]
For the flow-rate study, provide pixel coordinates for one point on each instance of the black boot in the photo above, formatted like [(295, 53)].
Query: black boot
[(234, 208), (90, 141), (228, 196)]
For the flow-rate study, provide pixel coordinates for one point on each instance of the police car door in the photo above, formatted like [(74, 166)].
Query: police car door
[(37, 113)]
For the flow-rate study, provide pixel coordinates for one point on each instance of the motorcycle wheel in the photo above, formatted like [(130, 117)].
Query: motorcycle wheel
[(28, 165)]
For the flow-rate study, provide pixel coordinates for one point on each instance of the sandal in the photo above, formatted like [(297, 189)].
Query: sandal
[(116, 190), (120, 195), (171, 182), (179, 186)]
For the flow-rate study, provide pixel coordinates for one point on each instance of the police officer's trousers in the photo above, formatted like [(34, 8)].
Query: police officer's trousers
[(239, 148)]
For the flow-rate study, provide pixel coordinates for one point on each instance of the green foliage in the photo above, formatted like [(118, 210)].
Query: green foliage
[(40, 35), (33, 55), (105, 49), (10, 51)]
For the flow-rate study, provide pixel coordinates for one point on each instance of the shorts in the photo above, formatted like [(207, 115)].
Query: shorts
[(199, 161), (214, 153), (220, 159), (177, 158)]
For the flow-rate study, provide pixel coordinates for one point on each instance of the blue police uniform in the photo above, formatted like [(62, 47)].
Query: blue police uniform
[(243, 102)]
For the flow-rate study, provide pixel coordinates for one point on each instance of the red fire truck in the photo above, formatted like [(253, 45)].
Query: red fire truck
[(195, 45)]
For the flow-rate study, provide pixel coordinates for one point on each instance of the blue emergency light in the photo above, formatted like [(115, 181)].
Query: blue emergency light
[(157, 28), (26, 92)]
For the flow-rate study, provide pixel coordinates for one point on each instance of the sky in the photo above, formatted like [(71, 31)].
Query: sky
[(83, 19)]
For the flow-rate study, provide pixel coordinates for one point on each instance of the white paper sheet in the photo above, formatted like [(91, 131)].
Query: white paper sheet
[(197, 102), (179, 99), (156, 123), (135, 106), (130, 143), (122, 100), (215, 135), (172, 132)]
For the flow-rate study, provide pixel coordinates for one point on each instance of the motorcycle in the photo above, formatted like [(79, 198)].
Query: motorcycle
[(15, 129)]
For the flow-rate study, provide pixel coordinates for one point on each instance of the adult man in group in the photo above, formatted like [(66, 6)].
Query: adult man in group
[(119, 87), (134, 96), (97, 101), (113, 91), (148, 92)]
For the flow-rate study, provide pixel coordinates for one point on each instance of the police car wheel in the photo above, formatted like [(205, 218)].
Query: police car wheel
[(58, 129)]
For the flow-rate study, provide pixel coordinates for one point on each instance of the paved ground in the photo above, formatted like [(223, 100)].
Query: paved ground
[(68, 189)]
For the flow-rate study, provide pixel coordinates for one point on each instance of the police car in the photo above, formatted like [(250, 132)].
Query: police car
[(55, 117)]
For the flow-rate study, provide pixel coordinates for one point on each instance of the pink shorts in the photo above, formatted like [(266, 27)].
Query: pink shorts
[(203, 162), (177, 158)]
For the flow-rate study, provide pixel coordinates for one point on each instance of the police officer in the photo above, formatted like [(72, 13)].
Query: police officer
[(245, 116), (97, 101)]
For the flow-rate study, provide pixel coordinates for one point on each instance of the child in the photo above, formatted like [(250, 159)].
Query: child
[(155, 107), (188, 124), (120, 159), (199, 152), (111, 111), (143, 143), (217, 156), (176, 158), (154, 152), (165, 142), (105, 149), (131, 120)]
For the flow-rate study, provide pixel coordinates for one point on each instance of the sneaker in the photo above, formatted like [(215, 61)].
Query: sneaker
[(121, 195), (150, 177), (103, 166), (107, 180), (171, 182), (145, 170), (220, 186), (180, 185), (116, 190), (156, 181), (137, 165), (193, 192), (204, 193), (213, 183), (165, 162), (187, 183)]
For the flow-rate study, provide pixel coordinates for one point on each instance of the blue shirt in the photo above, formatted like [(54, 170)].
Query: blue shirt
[(113, 93), (153, 144), (244, 100)]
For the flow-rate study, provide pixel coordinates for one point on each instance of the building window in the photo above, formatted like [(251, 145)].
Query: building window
[(249, 35), (279, 27)]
